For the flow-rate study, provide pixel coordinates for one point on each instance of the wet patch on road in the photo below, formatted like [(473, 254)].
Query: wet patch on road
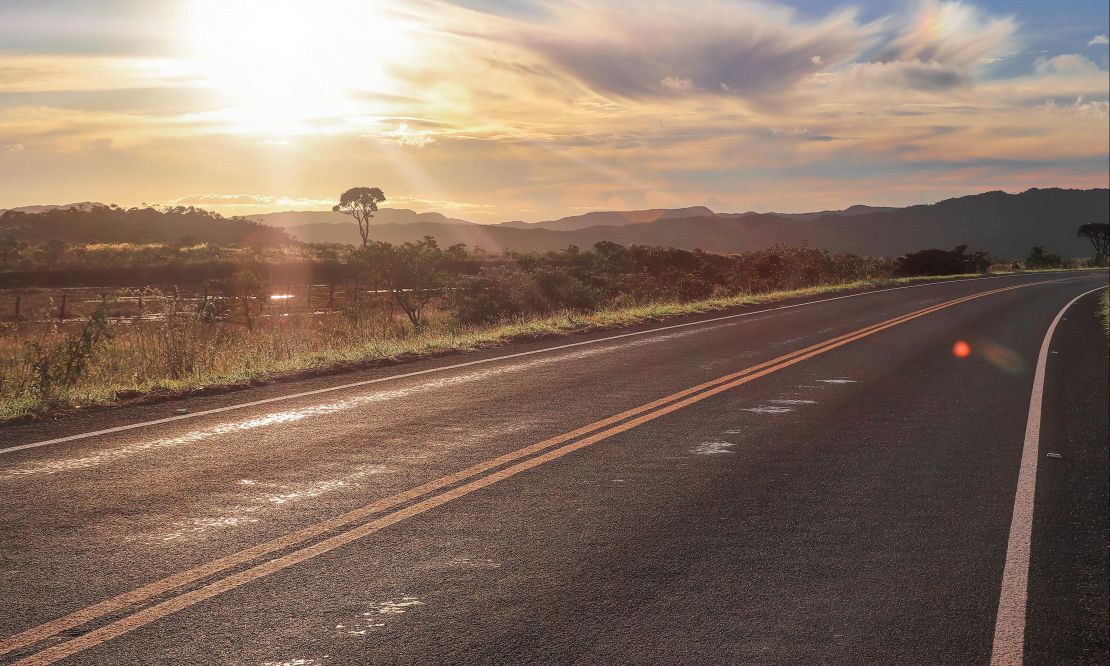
[(256, 508), (767, 409), (712, 448), (380, 613)]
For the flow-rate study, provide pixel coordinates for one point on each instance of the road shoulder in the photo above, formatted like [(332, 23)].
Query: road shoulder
[(1068, 587)]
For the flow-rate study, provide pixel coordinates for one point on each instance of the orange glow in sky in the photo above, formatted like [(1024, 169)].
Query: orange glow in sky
[(495, 110), (961, 349)]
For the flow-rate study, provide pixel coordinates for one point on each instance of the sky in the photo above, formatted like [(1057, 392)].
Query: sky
[(496, 110)]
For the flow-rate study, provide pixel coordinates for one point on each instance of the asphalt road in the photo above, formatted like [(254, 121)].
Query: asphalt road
[(821, 483)]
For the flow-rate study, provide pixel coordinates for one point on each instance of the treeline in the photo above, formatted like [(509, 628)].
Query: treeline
[(113, 224), (529, 284), (516, 282)]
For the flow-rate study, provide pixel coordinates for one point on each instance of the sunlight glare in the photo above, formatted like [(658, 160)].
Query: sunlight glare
[(284, 64)]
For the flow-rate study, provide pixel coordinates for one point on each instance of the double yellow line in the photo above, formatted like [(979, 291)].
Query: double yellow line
[(548, 449)]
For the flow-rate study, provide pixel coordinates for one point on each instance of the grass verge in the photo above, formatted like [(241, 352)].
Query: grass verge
[(1104, 311)]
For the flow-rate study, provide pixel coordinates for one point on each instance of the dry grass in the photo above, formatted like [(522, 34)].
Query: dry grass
[(183, 353), (1104, 311)]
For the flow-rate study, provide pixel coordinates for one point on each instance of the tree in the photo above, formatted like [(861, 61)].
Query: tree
[(1099, 235), (1039, 258), (360, 203), (412, 273)]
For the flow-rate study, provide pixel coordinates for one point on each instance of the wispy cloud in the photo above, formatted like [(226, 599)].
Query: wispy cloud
[(657, 47), (407, 136), (251, 201)]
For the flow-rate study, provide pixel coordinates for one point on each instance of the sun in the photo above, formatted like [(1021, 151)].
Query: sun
[(285, 67)]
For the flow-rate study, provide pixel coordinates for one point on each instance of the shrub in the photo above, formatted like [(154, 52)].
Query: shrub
[(942, 262), (1038, 258), (55, 368), (499, 292)]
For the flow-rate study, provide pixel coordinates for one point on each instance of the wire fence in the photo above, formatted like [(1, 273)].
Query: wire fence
[(149, 304)]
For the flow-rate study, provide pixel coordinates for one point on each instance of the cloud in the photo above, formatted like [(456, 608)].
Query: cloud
[(267, 201), (14, 148), (1081, 107), (955, 34), (914, 74), (935, 48), (406, 136), (130, 27), (652, 48), (49, 73), (1099, 40), (1067, 64), (677, 84)]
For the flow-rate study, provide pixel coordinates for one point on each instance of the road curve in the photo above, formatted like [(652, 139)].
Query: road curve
[(825, 482)]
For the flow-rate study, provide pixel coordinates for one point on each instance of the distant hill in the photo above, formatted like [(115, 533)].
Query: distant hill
[(300, 218), (614, 218), (850, 211), (97, 223), (82, 205), (1006, 225)]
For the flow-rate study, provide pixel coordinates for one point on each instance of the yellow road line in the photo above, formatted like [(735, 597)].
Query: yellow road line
[(639, 415)]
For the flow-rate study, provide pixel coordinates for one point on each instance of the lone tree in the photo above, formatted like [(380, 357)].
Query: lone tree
[(1099, 235), (360, 203)]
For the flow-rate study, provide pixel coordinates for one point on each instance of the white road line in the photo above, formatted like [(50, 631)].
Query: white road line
[(329, 389), (1009, 627)]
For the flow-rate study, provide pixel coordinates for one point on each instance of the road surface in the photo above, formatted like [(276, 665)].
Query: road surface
[(831, 481)]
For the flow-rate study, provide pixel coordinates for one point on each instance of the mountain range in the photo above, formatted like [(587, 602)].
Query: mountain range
[(300, 218), (1005, 225)]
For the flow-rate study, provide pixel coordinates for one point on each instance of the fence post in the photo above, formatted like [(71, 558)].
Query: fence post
[(17, 299), (62, 308), (247, 312), (331, 296), (288, 297), (308, 299)]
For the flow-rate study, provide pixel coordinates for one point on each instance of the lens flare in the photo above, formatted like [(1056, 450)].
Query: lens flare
[(1003, 358), (961, 349)]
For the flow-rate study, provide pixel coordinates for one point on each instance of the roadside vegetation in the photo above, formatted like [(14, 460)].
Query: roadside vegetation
[(1104, 311), (246, 303), (428, 300)]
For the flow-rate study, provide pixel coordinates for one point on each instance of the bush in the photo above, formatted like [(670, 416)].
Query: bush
[(502, 292), (55, 368), (942, 262), (499, 292), (1039, 259), (560, 290)]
